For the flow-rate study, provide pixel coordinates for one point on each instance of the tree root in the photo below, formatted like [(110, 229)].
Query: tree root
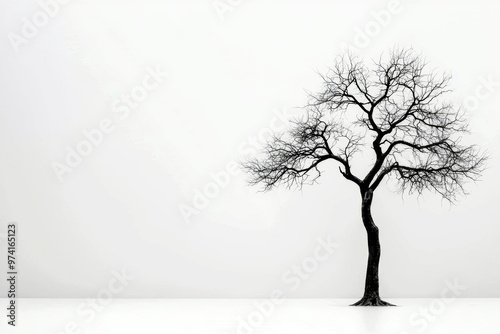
[(372, 301)]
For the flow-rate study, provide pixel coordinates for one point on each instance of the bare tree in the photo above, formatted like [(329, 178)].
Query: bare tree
[(393, 111)]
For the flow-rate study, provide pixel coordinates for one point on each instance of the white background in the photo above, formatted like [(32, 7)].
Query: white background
[(228, 77)]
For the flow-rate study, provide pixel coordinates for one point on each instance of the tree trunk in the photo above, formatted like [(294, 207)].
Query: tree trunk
[(371, 296)]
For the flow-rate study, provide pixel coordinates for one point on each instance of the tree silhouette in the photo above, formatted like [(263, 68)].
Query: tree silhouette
[(392, 111)]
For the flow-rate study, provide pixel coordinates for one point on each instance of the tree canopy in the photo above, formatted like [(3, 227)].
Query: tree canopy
[(394, 110)]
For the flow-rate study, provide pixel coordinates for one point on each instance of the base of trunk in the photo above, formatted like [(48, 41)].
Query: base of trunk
[(372, 301)]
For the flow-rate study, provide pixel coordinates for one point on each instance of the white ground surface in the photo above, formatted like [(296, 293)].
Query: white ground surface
[(224, 316)]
